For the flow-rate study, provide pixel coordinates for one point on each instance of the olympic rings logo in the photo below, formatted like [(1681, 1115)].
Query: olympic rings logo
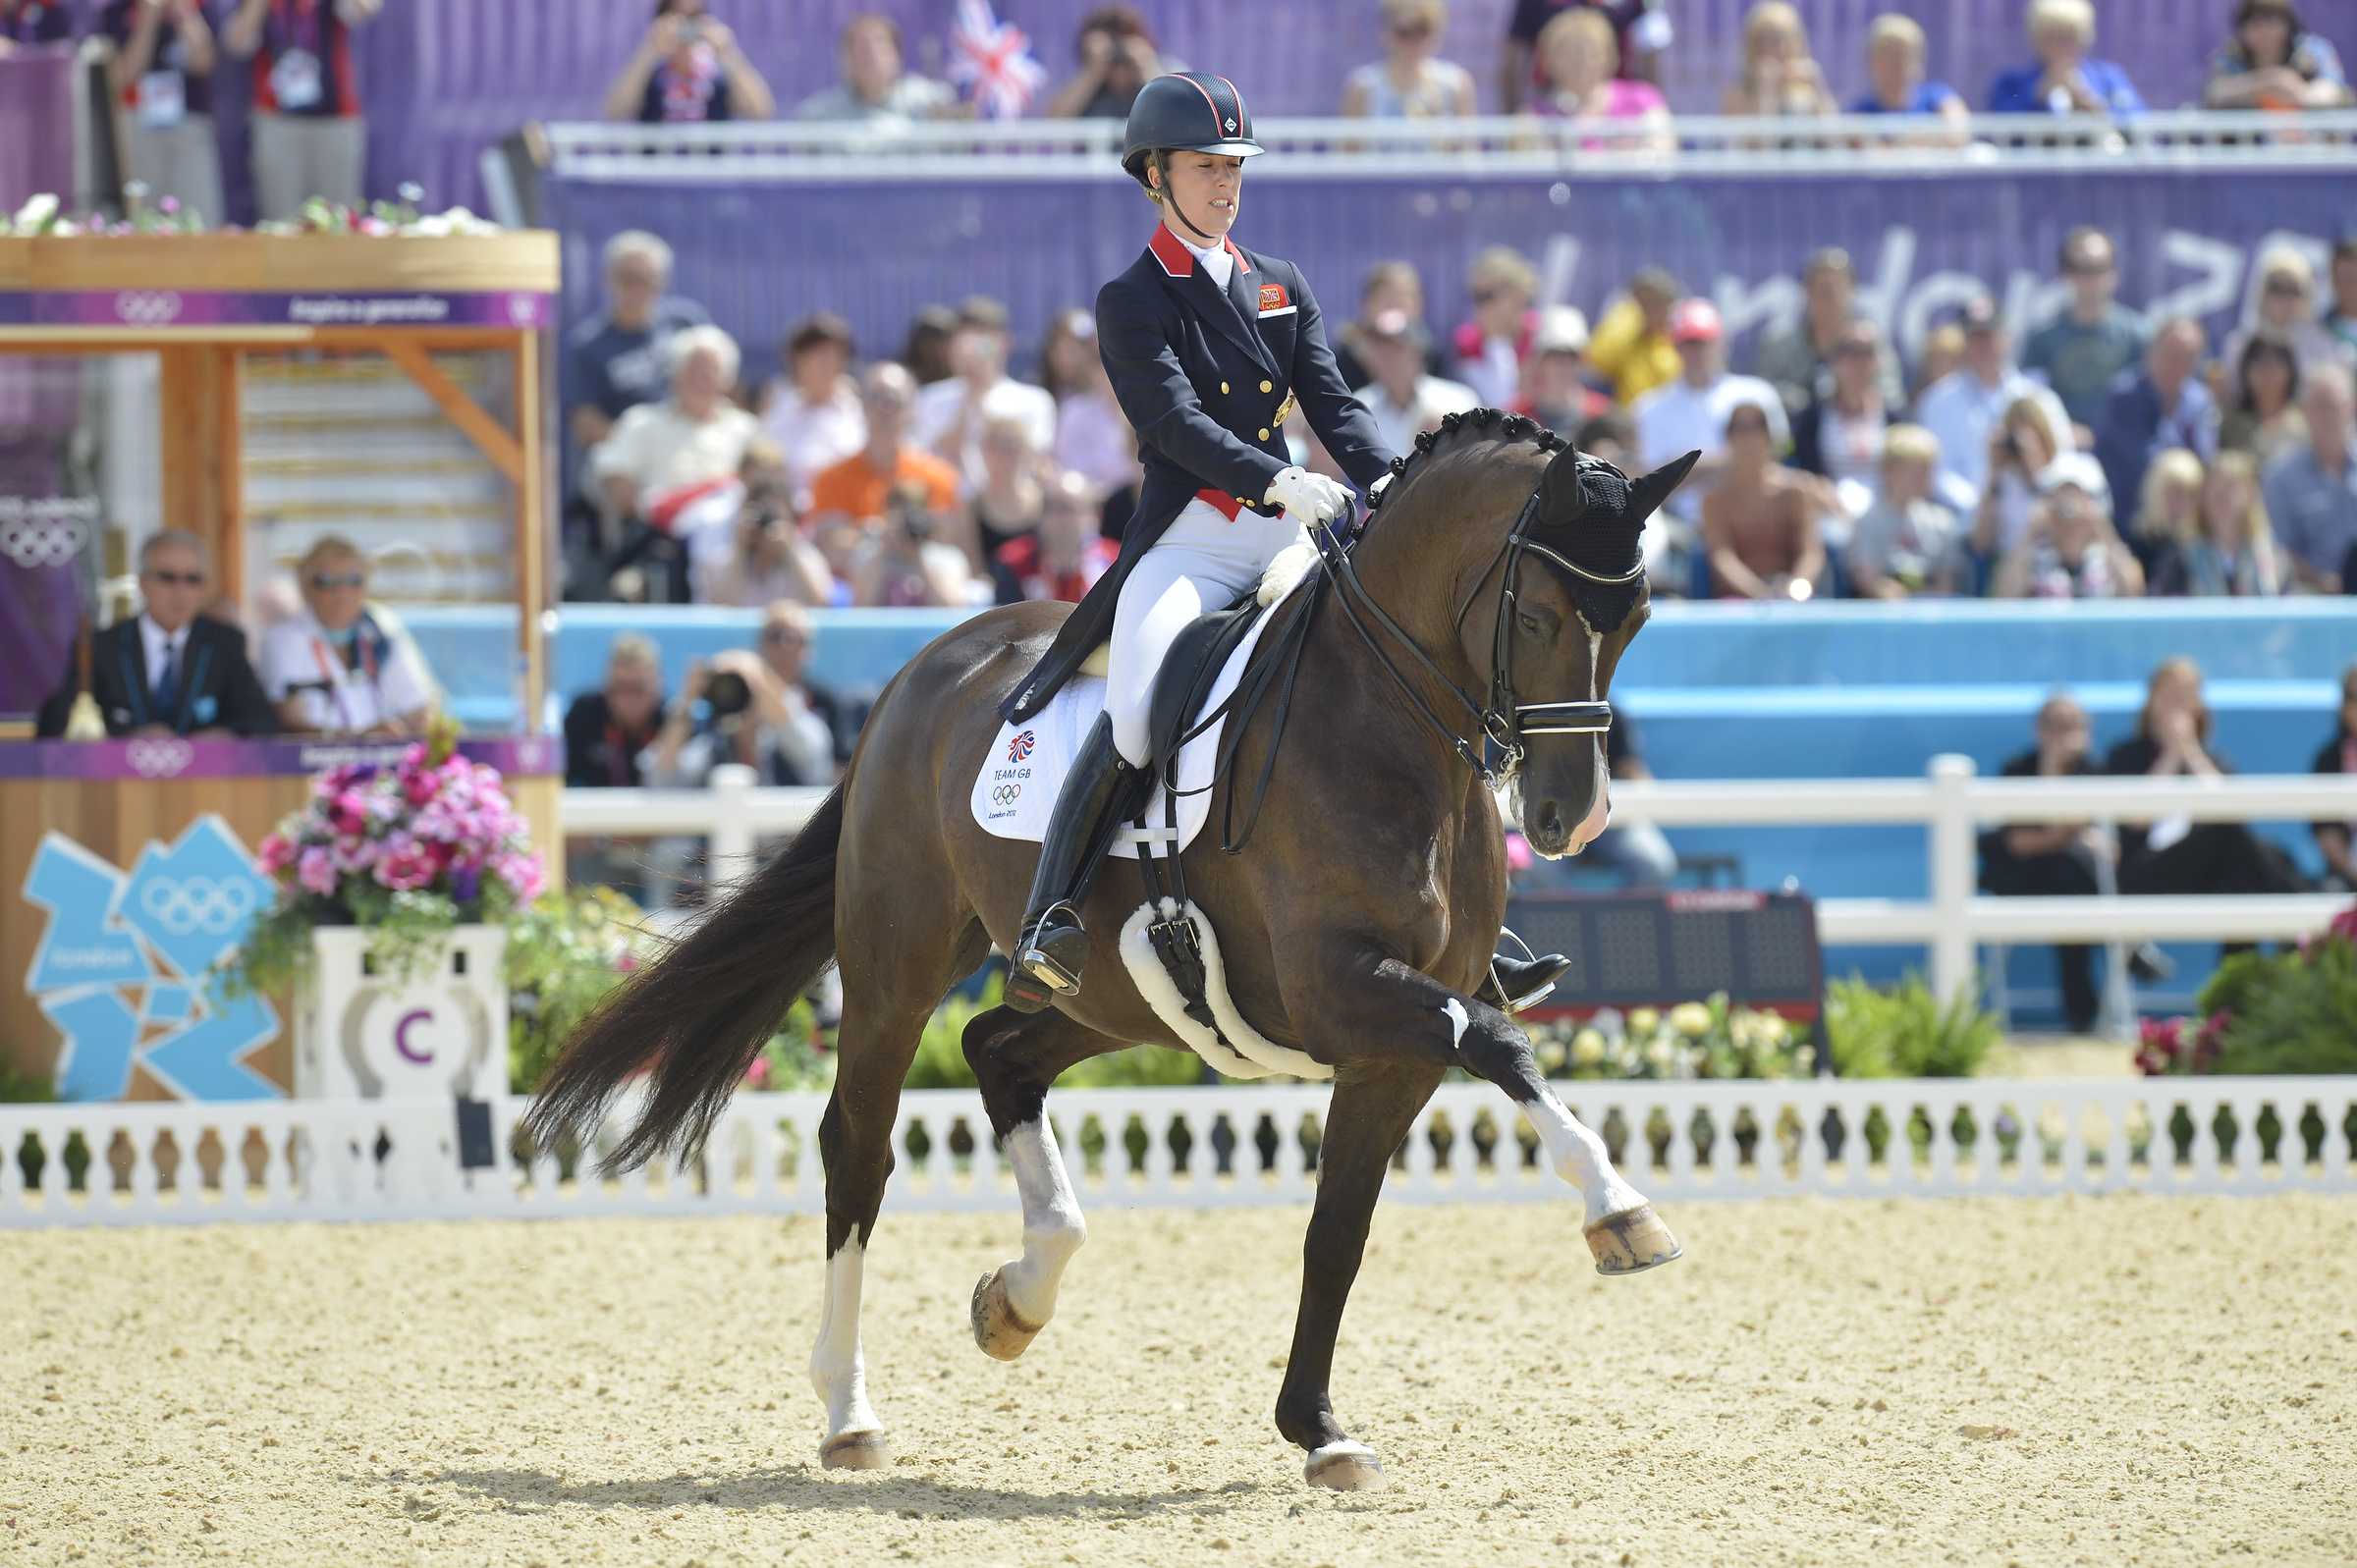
[(37, 541), (197, 903), (143, 307), (1006, 794), (158, 759)]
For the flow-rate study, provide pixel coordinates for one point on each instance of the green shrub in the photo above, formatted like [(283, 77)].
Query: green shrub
[(2292, 1012), (1904, 1032), (564, 953)]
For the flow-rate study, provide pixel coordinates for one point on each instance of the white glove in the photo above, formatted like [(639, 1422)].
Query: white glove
[(1309, 496)]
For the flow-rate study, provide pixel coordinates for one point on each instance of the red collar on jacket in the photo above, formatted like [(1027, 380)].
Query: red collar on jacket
[(1178, 260)]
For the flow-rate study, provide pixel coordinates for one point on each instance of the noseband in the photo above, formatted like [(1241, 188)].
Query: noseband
[(1503, 722)]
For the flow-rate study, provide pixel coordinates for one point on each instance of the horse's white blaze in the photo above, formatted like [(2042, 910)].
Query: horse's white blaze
[(1053, 1228), (1599, 815), (838, 1371), (1579, 1158)]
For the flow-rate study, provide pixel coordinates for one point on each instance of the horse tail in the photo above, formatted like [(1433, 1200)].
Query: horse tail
[(695, 1018)]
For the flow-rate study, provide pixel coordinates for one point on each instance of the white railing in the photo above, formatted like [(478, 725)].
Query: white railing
[(1204, 1148), (1696, 144)]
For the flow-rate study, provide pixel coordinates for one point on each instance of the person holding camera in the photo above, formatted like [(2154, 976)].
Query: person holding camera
[(688, 70), (2069, 550), (1117, 58), (2021, 447), (761, 556), (902, 565)]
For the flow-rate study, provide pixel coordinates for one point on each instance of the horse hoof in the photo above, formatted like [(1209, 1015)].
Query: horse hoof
[(855, 1450), (1632, 1241), (1002, 1335), (1344, 1466)]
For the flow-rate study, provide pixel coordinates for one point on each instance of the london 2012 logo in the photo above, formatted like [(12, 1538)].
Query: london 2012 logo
[(1019, 749), (1006, 794)]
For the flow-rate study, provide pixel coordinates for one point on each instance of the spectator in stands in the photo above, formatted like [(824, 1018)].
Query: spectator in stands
[(1064, 556), (2312, 495), (616, 362), (1943, 355), (1796, 357), (1779, 78), (762, 556), (170, 668), (1962, 407), (2176, 856), (1691, 413), (1840, 436), (2065, 79), (2286, 311), (2051, 860), (688, 70), (2023, 446), (1760, 524), (2168, 511), (875, 85), (951, 415), (666, 462), (1611, 436), (308, 136), (1908, 544), (2274, 61), (1117, 55), (1553, 392), (1894, 62), (1007, 504), (161, 73), (806, 732), (903, 565), (1581, 60), (1490, 349), (1631, 343), (1404, 400), (1068, 351), (2231, 553), (2069, 549), (2265, 418), (1387, 286), (341, 666), (606, 731), (2157, 405), (1641, 32), (926, 351), (24, 23), (2082, 350), (855, 491), (1093, 439), (1410, 83), (2337, 840), (812, 412), (2341, 319)]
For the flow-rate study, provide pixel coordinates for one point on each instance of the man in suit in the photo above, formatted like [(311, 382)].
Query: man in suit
[(168, 671)]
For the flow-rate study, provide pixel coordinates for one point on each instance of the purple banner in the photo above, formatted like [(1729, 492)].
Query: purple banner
[(178, 757), (171, 307)]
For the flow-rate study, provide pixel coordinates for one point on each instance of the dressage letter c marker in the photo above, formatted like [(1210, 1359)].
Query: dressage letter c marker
[(400, 1038)]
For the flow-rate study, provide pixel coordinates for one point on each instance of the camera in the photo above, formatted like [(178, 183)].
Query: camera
[(728, 695), (915, 521)]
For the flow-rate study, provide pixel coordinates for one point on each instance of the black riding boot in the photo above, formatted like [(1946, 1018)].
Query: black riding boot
[(1514, 984), (1054, 947)]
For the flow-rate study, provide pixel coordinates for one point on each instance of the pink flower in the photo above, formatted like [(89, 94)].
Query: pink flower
[(348, 812), (405, 866), (278, 853), (419, 787), (757, 1076), (522, 873), (315, 869)]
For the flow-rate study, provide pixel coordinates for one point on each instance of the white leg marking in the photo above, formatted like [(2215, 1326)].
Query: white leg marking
[(838, 1371), (1459, 1019), (1053, 1228), (1578, 1157)]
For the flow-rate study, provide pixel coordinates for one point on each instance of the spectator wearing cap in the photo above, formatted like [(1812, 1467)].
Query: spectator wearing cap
[(1580, 56), (161, 73), (1907, 544), (1118, 56), (1386, 285), (1410, 83), (2083, 349), (2065, 79), (1632, 345), (1963, 406), (2312, 495), (2340, 318), (951, 414), (618, 361), (1796, 357), (2273, 61), (1553, 393), (1063, 557), (1761, 522), (1641, 30), (1839, 437), (1404, 399), (812, 412), (686, 71), (2285, 310), (1690, 413), (1894, 71), (2157, 405), (1491, 348), (2069, 549), (876, 86), (1779, 78)]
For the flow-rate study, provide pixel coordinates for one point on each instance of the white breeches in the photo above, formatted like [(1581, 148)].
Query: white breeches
[(1199, 564)]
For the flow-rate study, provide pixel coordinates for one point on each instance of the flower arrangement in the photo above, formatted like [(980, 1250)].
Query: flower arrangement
[(2268, 1013), (45, 215), (1692, 1039), (409, 851)]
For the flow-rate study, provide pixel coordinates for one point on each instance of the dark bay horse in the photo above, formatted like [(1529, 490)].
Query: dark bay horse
[(1355, 927)]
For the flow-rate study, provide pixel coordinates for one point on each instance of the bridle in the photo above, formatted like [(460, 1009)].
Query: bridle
[(1503, 722)]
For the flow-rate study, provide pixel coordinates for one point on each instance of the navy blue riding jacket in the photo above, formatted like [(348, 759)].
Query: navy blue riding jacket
[(1204, 374)]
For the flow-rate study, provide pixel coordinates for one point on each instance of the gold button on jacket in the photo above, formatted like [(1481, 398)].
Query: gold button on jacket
[(1264, 432), (1223, 388), (1267, 386)]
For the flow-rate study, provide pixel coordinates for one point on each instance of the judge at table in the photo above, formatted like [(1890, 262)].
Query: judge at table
[(339, 667), (167, 670)]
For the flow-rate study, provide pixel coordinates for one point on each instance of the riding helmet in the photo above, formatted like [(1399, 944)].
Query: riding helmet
[(1187, 112)]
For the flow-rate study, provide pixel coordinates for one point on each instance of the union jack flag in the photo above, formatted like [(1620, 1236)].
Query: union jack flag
[(1019, 748), (991, 63)]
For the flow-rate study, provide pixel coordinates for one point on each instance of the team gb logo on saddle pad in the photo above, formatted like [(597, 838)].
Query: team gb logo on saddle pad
[(1019, 749)]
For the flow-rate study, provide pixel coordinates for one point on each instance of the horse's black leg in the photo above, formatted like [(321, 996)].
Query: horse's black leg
[(1016, 1057), (1370, 1114)]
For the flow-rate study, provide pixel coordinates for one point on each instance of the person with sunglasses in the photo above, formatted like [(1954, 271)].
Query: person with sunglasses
[(170, 669), (343, 667), (1408, 82)]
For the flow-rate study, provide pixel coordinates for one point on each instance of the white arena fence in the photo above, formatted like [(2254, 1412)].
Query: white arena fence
[(1204, 1148)]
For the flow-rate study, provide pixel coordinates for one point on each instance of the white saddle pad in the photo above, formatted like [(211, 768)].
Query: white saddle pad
[(1014, 792)]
